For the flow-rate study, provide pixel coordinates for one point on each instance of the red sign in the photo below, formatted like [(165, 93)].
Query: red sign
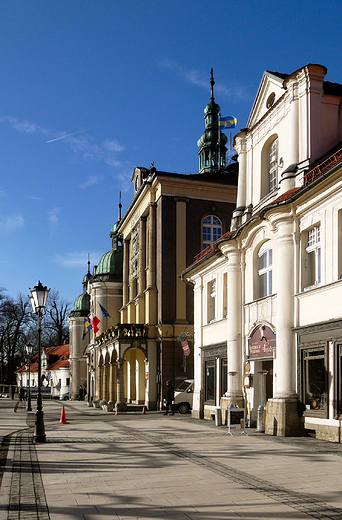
[(185, 347), (262, 343), (146, 375)]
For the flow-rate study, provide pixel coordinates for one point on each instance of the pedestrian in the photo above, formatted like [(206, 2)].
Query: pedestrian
[(169, 397), (80, 393)]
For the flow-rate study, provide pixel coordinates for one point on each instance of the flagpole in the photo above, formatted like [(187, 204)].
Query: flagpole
[(219, 142)]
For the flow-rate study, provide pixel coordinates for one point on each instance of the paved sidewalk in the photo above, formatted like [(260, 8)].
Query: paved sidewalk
[(132, 466)]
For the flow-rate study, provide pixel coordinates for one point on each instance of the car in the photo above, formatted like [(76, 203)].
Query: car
[(65, 396), (183, 396)]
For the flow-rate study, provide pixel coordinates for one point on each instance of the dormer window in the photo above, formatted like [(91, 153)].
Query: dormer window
[(272, 163)]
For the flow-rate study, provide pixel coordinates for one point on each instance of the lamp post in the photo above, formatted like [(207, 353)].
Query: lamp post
[(29, 349), (38, 302)]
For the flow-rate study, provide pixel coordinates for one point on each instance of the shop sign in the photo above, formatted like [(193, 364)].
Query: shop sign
[(262, 343), (185, 347)]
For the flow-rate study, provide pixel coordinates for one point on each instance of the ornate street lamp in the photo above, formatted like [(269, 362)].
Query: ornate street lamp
[(29, 349), (38, 302)]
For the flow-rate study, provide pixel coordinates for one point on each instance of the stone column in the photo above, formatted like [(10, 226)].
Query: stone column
[(234, 323), (180, 258), (111, 388), (151, 291), (125, 275), (120, 403), (141, 282), (281, 411), (105, 392)]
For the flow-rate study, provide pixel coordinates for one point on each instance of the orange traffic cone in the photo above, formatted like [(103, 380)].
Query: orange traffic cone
[(63, 419), (116, 410), (144, 410)]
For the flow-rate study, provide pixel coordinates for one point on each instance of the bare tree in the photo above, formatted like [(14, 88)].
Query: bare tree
[(15, 318), (55, 329)]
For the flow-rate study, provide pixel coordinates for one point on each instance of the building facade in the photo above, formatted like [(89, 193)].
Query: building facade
[(145, 318), (268, 293), (55, 372)]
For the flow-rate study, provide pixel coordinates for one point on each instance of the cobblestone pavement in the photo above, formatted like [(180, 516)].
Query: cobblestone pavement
[(101, 466)]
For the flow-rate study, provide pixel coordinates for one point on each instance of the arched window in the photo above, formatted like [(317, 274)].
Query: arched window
[(272, 163), (265, 271), (211, 230)]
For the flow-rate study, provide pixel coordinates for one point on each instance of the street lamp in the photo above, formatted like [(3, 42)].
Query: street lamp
[(38, 302), (29, 349)]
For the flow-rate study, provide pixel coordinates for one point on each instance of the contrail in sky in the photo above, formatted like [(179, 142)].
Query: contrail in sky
[(64, 136)]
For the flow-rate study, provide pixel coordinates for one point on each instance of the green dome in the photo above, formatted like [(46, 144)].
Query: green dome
[(82, 303), (110, 266)]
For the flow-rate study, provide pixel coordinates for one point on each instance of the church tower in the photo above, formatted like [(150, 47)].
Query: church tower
[(212, 149)]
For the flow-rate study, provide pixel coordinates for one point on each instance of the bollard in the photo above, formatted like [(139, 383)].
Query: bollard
[(261, 419), (218, 419)]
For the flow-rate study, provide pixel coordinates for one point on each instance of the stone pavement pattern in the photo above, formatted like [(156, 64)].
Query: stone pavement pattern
[(101, 466)]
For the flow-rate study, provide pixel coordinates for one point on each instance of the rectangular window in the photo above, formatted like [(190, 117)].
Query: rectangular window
[(67, 381), (224, 376), (225, 296), (265, 273), (313, 256), (314, 377), (210, 381), (211, 301)]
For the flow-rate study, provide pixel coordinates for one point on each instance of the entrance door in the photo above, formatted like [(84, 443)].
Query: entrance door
[(268, 365)]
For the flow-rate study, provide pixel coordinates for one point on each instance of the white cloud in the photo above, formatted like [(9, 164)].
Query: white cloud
[(53, 219), (11, 223), (91, 181), (24, 126), (201, 78), (78, 259), (113, 146)]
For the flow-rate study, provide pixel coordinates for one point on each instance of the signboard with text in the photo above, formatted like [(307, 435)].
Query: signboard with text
[(262, 343)]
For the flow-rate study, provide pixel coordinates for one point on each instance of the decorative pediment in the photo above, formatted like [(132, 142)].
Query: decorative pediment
[(270, 90)]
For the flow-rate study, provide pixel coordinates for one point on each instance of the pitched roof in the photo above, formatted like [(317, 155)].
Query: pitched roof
[(58, 357)]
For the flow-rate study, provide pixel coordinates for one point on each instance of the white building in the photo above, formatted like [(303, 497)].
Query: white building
[(55, 371), (268, 294)]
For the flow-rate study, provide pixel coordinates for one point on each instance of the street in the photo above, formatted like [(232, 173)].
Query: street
[(102, 466)]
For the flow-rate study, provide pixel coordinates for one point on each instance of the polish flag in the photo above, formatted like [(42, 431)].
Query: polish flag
[(95, 321)]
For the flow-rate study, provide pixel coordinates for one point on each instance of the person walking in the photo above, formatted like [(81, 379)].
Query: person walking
[(169, 397)]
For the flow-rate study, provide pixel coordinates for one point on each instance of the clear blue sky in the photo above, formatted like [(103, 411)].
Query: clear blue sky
[(123, 83)]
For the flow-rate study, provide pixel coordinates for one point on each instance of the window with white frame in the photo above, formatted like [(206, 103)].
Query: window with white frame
[(211, 230), (265, 271), (211, 301), (313, 256), (272, 164)]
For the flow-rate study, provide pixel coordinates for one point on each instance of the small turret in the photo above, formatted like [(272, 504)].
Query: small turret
[(212, 149)]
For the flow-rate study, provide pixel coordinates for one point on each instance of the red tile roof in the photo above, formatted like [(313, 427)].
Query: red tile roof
[(58, 357)]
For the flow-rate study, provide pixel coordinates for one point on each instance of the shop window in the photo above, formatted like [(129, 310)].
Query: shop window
[(225, 296), (272, 163), (211, 230), (264, 272), (210, 381), (224, 376), (313, 256), (211, 301), (314, 378)]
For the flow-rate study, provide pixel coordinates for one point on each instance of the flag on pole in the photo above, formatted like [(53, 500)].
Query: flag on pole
[(87, 326), (227, 122), (104, 311), (95, 321)]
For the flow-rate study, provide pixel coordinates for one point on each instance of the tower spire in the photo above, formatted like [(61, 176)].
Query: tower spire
[(212, 149), (212, 83)]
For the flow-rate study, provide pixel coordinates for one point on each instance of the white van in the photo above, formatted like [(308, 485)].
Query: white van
[(183, 396)]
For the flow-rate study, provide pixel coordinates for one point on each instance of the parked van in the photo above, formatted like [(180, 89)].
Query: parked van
[(183, 396)]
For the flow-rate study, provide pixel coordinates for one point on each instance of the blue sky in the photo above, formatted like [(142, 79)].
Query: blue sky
[(89, 89)]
